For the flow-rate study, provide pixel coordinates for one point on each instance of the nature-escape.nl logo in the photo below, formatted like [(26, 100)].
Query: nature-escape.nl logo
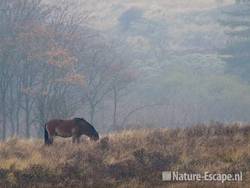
[(206, 176)]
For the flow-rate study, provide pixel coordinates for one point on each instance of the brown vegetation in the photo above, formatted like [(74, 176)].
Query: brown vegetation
[(133, 158)]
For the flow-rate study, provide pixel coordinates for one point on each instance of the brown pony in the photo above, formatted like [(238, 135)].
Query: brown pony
[(69, 128)]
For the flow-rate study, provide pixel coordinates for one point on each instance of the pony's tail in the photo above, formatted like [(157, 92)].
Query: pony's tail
[(46, 136)]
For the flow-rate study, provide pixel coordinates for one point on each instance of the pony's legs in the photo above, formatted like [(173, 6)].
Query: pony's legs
[(51, 139), (78, 140), (75, 139), (48, 140), (75, 135)]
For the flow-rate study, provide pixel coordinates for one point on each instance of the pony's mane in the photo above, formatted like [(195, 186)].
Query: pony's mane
[(81, 119)]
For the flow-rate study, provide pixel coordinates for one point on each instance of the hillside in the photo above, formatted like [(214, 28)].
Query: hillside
[(132, 158)]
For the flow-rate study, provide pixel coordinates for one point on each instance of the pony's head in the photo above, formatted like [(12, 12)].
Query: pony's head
[(87, 129), (94, 135)]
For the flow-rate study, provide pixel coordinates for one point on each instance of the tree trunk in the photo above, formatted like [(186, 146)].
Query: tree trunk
[(12, 111), (115, 108), (17, 123), (27, 130), (27, 117), (18, 97), (4, 118), (12, 125), (4, 128), (92, 113)]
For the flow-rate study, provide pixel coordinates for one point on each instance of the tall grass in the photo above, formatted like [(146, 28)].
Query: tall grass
[(133, 158)]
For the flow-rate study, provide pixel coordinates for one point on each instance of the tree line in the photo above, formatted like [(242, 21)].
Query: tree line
[(52, 65)]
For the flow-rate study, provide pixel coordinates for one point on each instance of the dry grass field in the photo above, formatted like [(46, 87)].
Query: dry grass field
[(133, 158)]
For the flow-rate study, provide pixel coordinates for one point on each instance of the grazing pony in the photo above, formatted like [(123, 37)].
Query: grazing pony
[(69, 128)]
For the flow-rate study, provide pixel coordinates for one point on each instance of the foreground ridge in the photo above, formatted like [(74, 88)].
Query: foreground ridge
[(132, 158)]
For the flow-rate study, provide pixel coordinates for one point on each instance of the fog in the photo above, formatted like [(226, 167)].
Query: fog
[(123, 64)]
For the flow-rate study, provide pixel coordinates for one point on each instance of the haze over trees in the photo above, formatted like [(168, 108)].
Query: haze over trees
[(122, 65), (236, 53)]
